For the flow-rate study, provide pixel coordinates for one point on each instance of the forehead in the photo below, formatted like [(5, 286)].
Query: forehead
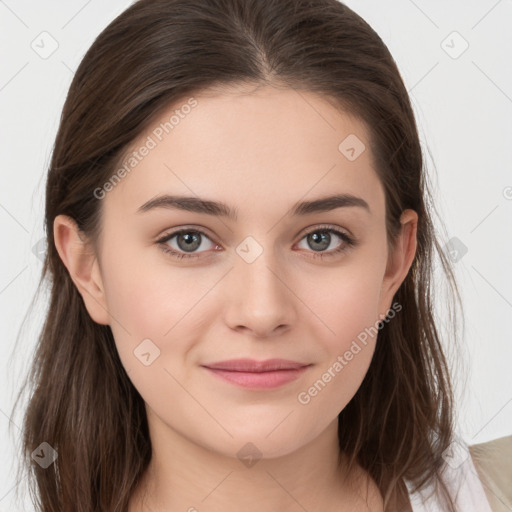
[(252, 148)]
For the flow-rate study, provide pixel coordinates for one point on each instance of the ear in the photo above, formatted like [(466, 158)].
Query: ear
[(399, 260), (82, 264)]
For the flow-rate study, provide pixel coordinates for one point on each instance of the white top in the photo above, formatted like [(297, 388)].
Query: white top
[(462, 481)]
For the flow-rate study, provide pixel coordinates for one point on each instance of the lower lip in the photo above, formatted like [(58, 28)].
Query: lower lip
[(259, 380)]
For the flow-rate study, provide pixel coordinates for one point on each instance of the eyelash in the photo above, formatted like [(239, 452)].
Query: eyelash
[(349, 242)]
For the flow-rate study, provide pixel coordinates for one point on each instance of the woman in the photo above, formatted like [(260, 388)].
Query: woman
[(240, 252)]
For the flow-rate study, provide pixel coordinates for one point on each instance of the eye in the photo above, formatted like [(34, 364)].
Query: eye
[(321, 238), (188, 240)]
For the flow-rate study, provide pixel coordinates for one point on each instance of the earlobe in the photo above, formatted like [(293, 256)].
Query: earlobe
[(400, 260), (82, 264)]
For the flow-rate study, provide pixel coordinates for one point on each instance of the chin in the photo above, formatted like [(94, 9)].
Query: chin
[(263, 446)]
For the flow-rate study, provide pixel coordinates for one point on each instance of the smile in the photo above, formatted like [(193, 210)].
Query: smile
[(260, 379)]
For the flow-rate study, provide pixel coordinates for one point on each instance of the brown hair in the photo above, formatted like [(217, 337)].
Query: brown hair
[(155, 53)]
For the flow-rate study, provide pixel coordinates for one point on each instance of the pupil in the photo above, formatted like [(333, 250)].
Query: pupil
[(190, 240), (324, 239)]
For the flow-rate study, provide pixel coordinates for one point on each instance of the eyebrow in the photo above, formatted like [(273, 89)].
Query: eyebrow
[(219, 209)]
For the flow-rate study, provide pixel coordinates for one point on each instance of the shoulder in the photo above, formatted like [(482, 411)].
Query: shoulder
[(493, 462), (469, 476)]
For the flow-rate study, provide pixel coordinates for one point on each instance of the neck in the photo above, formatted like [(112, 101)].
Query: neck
[(184, 475)]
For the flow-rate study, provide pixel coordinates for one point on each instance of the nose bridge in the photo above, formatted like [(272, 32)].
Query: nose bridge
[(256, 267), (260, 299)]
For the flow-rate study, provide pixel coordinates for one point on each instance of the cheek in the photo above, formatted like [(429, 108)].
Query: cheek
[(156, 302), (147, 295), (148, 305), (346, 302)]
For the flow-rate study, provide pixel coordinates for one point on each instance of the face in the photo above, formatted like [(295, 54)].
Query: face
[(271, 281)]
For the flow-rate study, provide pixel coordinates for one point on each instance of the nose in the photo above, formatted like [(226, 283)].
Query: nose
[(260, 298)]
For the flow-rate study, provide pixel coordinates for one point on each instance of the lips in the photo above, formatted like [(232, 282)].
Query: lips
[(254, 366), (257, 375)]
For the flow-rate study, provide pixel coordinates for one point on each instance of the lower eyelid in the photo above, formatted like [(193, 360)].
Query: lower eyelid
[(340, 234), (347, 242), (164, 241)]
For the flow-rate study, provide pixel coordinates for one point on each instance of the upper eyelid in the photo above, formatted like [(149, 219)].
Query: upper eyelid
[(325, 227), (175, 232), (319, 227)]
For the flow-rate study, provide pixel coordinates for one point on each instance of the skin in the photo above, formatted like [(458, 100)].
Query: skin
[(259, 150)]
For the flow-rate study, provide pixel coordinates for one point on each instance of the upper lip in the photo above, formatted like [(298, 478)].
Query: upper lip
[(251, 365)]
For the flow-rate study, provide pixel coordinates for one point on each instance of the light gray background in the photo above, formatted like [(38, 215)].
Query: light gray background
[(463, 105)]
